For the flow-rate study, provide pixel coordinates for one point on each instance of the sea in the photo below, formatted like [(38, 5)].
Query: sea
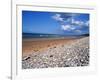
[(40, 36)]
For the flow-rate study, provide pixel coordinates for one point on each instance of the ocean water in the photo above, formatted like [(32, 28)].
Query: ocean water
[(38, 35)]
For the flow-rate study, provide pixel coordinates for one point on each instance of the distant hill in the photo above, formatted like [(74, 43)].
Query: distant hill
[(85, 34)]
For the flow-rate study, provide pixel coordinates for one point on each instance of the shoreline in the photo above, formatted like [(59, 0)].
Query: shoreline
[(29, 46), (57, 38)]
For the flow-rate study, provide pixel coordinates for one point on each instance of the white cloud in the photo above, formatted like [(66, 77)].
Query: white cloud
[(69, 23), (87, 23), (68, 18), (67, 27), (80, 23), (78, 31), (57, 17), (76, 22)]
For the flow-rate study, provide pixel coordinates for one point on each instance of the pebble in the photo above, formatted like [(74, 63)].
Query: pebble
[(76, 54)]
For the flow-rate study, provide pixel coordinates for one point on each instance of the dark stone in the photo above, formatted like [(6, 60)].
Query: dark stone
[(66, 66), (35, 55), (51, 55), (27, 58)]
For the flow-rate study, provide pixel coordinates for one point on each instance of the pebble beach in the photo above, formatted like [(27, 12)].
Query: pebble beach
[(59, 53)]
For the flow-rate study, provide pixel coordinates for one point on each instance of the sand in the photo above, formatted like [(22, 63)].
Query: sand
[(29, 46), (59, 53)]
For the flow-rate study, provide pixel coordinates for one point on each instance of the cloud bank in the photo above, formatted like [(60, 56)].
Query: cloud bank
[(73, 22)]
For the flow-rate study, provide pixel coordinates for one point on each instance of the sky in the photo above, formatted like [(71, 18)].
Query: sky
[(55, 23)]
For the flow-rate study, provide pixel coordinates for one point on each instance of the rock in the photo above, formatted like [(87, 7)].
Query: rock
[(76, 54)]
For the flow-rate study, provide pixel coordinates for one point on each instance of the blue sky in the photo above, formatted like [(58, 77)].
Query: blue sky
[(55, 23)]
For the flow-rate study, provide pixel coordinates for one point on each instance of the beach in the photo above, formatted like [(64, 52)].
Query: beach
[(45, 53), (35, 45)]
